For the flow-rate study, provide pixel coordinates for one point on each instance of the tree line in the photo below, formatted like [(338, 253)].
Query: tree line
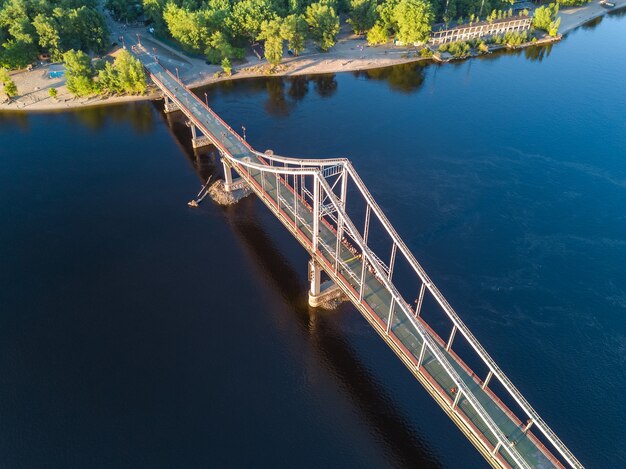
[(221, 29)]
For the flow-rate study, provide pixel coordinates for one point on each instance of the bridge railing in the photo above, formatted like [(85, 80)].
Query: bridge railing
[(285, 164), (399, 305), (323, 194)]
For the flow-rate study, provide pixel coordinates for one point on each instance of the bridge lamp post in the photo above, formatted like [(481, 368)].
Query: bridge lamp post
[(244, 132), (138, 39), (177, 77), (206, 99)]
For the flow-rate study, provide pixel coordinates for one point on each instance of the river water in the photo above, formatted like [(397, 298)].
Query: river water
[(135, 332)]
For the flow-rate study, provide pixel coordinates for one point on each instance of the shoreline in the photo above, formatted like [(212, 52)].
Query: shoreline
[(341, 59)]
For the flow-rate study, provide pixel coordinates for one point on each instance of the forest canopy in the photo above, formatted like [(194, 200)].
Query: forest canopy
[(31, 27)]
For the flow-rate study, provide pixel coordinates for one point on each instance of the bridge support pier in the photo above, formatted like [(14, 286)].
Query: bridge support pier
[(229, 191), (315, 276), (197, 142), (228, 176), (325, 294), (169, 106)]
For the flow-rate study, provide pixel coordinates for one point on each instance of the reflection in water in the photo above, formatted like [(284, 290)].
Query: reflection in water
[(592, 23), (325, 85), (276, 104), (538, 53), (9, 119), (136, 114), (406, 78), (298, 87), (282, 92), (617, 13)]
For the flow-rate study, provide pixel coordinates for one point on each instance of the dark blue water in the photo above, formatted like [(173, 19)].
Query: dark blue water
[(135, 332)]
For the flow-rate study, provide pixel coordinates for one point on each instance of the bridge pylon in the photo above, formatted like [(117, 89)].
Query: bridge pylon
[(326, 294), (169, 106), (315, 277), (228, 175), (197, 141)]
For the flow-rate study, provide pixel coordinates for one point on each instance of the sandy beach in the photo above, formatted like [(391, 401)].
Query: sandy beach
[(572, 18), (351, 53)]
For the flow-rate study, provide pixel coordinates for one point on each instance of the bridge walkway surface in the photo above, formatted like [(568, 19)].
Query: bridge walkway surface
[(295, 191)]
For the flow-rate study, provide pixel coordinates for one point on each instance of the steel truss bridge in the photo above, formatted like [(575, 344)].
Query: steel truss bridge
[(309, 197)]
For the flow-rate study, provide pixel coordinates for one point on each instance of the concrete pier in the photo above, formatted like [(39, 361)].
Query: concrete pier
[(326, 294), (197, 141), (169, 106), (222, 196)]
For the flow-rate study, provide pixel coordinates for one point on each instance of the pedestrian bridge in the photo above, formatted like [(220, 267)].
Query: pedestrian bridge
[(309, 197)]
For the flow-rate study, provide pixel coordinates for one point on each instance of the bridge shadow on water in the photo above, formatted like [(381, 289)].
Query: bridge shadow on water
[(402, 443)]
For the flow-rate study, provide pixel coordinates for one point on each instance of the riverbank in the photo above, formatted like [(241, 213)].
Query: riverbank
[(351, 53), (572, 18)]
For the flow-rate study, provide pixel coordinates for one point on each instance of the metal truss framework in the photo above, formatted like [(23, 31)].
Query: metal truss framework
[(309, 197), (292, 188)]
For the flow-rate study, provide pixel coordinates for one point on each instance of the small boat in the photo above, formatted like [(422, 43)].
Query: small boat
[(607, 4), (192, 203)]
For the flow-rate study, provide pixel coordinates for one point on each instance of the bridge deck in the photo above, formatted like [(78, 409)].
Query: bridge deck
[(375, 304), (378, 300)]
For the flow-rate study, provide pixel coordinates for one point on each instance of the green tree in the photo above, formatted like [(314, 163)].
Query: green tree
[(571, 3), (79, 73), (248, 15), (4, 75), (227, 66), (377, 35), (53, 93), (17, 54), (324, 23), (271, 34), (362, 15), (8, 84), (17, 35), (124, 76), (295, 6), (553, 29), (10, 89), (544, 18), (187, 27), (414, 19), (130, 72), (386, 16), (49, 32), (294, 30), (83, 28), (124, 10), (28, 27), (108, 80), (220, 48), (15, 21), (153, 11)]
